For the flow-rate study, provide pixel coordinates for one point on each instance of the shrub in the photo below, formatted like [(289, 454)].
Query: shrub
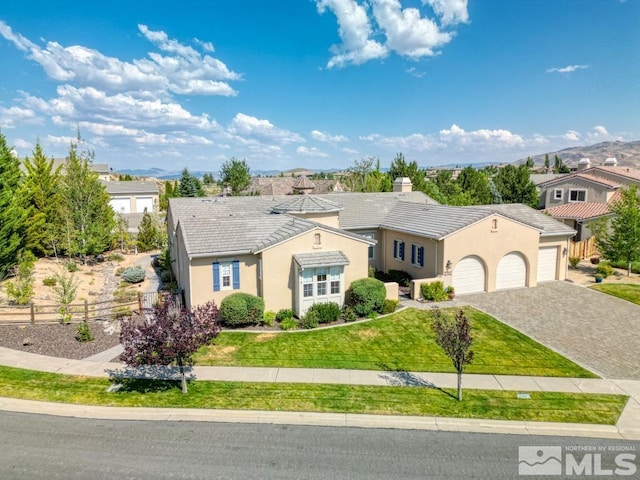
[(367, 295), (284, 314), (240, 309), (49, 281), (595, 260), (134, 275), (327, 312), (390, 306), (604, 270), (349, 314), (83, 332), (289, 323), (121, 312), (574, 261), (166, 276), (635, 266), (310, 320), (401, 277), (372, 271), (122, 295), (72, 266), (115, 257), (119, 271), (433, 292), (269, 318)]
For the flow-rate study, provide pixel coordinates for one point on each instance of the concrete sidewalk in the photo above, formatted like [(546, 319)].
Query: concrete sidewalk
[(628, 426)]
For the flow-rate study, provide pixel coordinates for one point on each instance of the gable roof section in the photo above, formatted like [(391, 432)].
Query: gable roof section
[(321, 259), (579, 210), (307, 204), (624, 172), (131, 187), (440, 221), (585, 175)]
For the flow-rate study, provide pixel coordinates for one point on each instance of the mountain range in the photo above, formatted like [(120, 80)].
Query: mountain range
[(627, 154)]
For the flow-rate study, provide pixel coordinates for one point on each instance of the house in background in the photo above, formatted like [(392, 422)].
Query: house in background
[(132, 198), (578, 198), (289, 186), (296, 251)]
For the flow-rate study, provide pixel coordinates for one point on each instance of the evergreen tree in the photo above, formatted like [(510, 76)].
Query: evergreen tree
[(13, 210), (88, 219), (149, 236), (476, 184), (43, 195), (546, 162), (401, 168), (189, 185)]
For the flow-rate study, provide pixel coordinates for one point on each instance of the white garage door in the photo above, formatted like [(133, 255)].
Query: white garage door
[(511, 272), (469, 276), (120, 205), (144, 202), (547, 262)]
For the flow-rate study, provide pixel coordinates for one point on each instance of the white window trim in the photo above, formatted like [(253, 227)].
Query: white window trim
[(415, 253), (577, 190), (222, 285), (371, 251), (396, 253), (555, 193)]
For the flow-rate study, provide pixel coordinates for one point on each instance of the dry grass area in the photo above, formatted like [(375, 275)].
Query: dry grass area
[(584, 275)]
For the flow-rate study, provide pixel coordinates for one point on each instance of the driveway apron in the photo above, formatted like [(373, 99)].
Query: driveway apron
[(596, 330)]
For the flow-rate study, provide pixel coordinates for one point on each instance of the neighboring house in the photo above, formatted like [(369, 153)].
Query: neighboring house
[(578, 198), (296, 251), (102, 169), (133, 196), (289, 185)]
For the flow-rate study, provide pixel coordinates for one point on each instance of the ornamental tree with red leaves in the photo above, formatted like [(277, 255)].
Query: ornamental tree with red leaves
[(454, 337), (170, 336)]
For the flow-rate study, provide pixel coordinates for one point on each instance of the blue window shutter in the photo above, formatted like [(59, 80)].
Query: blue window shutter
[(421, 256), (236, 274), (395, 248), (216, 277), (401, 250), (413, 254)]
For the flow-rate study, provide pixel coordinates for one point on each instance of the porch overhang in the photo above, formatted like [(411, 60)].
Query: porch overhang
[(334, 258)]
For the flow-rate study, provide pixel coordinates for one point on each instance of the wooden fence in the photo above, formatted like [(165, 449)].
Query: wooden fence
[(583, 249), (82, 312)]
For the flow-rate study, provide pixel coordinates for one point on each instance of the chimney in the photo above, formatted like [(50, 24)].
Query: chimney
[(583, 164), (611, 162), (402, 184)]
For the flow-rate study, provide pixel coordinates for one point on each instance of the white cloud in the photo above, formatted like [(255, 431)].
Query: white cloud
[(22, 144), (327, 137), (414, 72), (600, 130), (350, 151), (61, 141), (407, 32), (183, 71), (261, 130), (567, 69), (12, 115), (310, 152), (571, 135), (355, 31), (457, 137), (450, 12)]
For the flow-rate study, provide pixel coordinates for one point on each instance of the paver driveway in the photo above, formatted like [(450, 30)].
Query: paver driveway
[(596, 330)]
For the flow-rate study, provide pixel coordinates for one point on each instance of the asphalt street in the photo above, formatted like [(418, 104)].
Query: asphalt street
[(47, 447)]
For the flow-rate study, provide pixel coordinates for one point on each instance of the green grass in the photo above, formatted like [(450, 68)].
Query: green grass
[(626, 291), (488, 404), (402, 341)]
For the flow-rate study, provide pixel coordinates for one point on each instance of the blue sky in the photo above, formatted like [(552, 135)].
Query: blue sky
[(318, 83)]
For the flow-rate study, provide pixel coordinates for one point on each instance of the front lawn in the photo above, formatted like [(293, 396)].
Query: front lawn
[(626, 291), (489, 404), (402, 341)]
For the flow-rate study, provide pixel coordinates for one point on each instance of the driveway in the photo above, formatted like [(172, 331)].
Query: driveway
[(596, 330)]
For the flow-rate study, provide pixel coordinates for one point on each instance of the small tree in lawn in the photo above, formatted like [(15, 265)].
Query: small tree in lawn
[(454, 337), (171, 336)]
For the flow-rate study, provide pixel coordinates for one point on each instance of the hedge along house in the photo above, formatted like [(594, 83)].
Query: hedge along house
[(474, 249)]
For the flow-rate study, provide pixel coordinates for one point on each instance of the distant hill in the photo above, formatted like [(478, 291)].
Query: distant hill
[(627, 154), (161, 174)]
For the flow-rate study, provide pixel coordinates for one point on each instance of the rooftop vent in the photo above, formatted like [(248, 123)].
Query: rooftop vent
[(584, 163), (611, 162)]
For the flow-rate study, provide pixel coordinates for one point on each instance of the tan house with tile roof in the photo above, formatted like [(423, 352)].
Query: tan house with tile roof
[(265, 186), (296, 251)]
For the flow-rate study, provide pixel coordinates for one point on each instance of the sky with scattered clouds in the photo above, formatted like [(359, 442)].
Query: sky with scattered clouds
[(318, 83)]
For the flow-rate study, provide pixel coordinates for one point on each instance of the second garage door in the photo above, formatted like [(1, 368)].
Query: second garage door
[(511, 272), (144, 202), (469, 276), (547, 261), (121, 205)]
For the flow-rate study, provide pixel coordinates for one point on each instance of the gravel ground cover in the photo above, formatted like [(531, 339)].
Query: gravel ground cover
[(58, 340)]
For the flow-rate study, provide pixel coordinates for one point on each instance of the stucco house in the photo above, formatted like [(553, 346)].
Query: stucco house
[(305, 249), (133, 196), (578, 198)]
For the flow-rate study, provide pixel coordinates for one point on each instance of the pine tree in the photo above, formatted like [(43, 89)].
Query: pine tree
[(189, 185), (88, 219), (13, 213), (43, 195), (149, 237)]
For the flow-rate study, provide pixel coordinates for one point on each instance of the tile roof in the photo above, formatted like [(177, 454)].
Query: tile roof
[(539, 178), (578, 210), (439, 221), (132, 187), (627, 172), (588, 175), (307, 204), (321, 259), (303, 183), (269, 186)]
